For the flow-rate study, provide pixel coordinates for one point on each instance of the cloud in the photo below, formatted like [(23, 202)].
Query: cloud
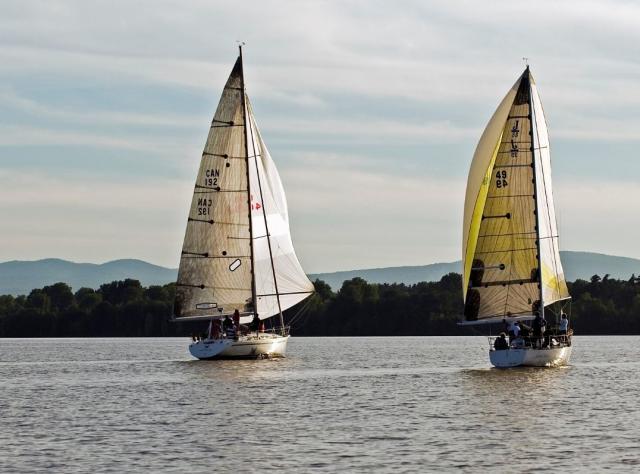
[(345, 215), (92, 219), (11, 100), (339, 89)]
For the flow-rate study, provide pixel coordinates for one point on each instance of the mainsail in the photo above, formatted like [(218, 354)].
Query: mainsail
[(510, 241), (237, 251)]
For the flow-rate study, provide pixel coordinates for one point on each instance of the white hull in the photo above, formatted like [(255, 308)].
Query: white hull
[(530, 357), (246, 347)]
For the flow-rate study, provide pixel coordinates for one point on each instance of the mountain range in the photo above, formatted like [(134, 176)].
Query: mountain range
[(20, 277)]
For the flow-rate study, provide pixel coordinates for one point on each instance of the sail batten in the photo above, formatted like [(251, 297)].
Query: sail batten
[(510, 259)]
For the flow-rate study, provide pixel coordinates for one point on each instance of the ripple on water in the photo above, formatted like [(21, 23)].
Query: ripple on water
[(421, 404)]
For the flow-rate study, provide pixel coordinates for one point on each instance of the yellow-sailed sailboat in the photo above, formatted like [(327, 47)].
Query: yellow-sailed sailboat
[(512, 271)]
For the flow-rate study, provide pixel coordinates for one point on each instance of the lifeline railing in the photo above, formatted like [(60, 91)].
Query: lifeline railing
[(233, 335), (548, 341)]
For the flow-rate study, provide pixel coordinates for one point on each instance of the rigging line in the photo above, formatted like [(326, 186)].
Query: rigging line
[(302, 312)]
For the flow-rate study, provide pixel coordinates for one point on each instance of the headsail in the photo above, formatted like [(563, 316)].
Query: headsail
[(237, 245), (508, 192), (273, 254), (554, 286)]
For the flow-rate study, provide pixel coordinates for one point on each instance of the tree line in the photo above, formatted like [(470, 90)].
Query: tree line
[(125, 308)]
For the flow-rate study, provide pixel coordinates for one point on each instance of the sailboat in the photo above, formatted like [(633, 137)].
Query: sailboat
[(512, 269), (237, 257)]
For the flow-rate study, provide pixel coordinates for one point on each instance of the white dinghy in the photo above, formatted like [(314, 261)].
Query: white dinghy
[(237, 253), (512, 269)]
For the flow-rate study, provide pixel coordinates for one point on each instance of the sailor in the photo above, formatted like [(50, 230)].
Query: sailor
[(216, 330), (255, 324), (564, 324), (539, 325), (512, 329), (516, 329), (501, 343), (227, 323)]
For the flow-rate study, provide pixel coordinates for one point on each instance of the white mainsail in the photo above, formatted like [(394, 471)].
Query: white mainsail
[(237, 245), (509, 229)]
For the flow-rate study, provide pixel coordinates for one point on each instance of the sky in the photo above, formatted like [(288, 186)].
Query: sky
[(370, 109)]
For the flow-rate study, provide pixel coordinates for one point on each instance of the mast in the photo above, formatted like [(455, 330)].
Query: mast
[(266, 227), (535, 192), (254, 299)]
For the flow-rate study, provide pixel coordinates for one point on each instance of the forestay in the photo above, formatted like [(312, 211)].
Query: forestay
[(509, 214)]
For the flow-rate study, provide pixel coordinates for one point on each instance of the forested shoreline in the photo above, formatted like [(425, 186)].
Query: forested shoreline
[(127, 309)]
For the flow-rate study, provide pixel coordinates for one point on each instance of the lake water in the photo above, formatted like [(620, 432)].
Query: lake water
[(412, 404)]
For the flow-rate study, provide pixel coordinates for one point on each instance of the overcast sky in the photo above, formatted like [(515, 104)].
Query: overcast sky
[(371, 110)]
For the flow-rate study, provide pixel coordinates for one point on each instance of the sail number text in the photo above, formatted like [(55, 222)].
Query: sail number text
[(211, 177), (501, 179), (204, 206)]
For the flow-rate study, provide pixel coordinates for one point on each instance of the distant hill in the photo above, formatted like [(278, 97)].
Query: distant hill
[(576, 265), (408, 275), (20, 277)]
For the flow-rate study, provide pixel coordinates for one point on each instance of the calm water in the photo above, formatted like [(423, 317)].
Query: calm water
[(335, 404)]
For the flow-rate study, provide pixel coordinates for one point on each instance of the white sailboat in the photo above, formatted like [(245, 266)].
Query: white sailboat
[(237, 253), (512, 269)]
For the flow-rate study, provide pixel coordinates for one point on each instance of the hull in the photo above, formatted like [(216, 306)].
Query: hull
[(246, 347), (529, 357)]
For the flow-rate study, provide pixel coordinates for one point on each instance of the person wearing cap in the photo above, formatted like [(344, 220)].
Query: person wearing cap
[(516, 329)]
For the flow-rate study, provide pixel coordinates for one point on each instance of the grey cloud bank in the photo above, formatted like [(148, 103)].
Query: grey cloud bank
[(371, 110)]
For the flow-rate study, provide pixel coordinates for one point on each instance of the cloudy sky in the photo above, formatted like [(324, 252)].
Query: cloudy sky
[(371, 109)]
